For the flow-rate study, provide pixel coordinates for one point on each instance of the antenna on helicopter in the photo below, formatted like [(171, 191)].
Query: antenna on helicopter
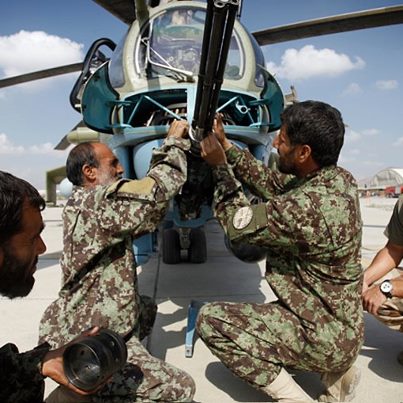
[(292, 97)]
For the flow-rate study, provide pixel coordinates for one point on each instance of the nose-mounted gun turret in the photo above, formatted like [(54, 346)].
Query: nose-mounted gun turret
[(220, 18)]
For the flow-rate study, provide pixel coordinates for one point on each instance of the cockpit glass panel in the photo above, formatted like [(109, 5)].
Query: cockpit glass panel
[(176, 39), (235, 60), (259, 78), (172, 45)]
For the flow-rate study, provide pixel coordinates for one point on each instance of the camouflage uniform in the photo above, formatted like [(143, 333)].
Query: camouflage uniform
[(20, 377), (391, 311), (99, 285), (312, 230)]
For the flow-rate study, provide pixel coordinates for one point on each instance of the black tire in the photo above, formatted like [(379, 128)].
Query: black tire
[(171, 248), (197, 252)]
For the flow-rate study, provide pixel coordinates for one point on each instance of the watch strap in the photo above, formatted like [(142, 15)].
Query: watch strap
[(387, 294)]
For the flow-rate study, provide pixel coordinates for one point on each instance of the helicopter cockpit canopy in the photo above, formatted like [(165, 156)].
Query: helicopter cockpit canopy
[(171, 45)]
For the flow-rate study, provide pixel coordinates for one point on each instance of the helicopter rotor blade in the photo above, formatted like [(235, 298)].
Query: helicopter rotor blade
[(37, 75), (63, 144), (124, 10), (330, 25)]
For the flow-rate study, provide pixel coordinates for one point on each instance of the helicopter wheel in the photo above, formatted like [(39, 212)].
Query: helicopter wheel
[(197, 252), (171, 249)]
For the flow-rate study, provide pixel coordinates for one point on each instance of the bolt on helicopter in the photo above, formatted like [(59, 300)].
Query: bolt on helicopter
[(188, 60)]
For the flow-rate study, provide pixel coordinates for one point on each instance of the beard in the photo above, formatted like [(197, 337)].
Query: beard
[(286, 166), (105, 178), (16, 277)]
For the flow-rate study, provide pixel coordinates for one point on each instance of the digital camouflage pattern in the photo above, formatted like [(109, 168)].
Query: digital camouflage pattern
[(99, 284), (146, 379), (20, 377), (312, 230), (143, 379)]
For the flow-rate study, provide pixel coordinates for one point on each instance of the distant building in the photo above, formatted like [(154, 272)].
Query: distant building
[(387, 182)]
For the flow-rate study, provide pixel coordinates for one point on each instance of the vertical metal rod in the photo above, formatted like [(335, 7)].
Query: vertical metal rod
[(220, 18)]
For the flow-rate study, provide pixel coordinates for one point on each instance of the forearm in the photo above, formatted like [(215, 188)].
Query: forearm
[(251, 172), (385, 260), (169, 167), (397, 284), (228, 194), (380, 266)]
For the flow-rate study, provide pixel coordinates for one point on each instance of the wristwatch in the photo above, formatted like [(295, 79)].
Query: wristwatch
[(386, 288)]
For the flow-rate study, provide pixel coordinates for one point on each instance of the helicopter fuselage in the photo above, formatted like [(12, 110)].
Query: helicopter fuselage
[(151, 79)]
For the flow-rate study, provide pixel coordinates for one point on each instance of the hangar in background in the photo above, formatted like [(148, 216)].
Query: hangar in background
[(387, 177), (386, 181)]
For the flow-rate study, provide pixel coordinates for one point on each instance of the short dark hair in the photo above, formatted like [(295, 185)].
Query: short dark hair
[(80, 155), (13, 193), (318, 125)]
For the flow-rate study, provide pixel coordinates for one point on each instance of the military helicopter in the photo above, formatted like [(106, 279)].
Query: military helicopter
[(187, 60)]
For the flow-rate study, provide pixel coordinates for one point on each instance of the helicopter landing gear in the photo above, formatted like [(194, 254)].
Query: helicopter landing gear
[(197, 252), (193, 240), (171, 248)]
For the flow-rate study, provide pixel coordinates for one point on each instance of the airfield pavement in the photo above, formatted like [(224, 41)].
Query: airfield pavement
[(222, 277)]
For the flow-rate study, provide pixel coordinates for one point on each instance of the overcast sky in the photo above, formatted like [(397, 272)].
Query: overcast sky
[(358, 72)]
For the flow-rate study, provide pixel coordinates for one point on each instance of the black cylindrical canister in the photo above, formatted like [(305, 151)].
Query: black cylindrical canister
[(92, 360)]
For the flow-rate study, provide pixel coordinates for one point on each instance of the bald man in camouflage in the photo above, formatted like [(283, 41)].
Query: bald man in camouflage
[(99, 285), (310, 224)]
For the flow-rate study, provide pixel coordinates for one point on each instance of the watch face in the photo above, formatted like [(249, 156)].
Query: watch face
[(386, 287)]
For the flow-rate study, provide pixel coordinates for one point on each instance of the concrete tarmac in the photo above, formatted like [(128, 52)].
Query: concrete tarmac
[(222, 277)]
